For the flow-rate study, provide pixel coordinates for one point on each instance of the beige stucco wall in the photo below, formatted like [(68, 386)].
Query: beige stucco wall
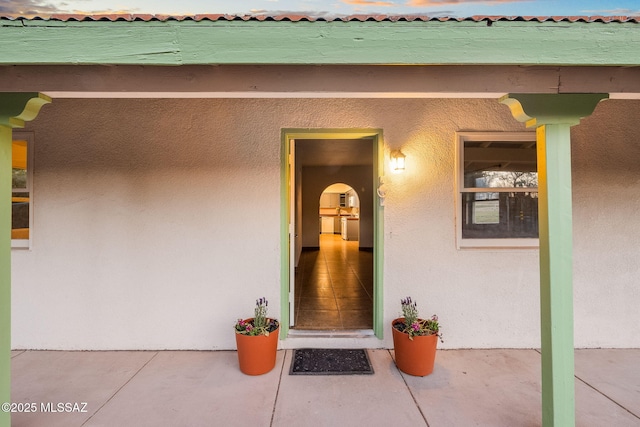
[(606, 176), (157, 223)]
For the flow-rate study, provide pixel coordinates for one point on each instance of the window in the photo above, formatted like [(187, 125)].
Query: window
[(21, 191), (497, 189)]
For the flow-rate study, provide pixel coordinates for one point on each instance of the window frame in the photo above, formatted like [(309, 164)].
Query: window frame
[(29, 137), (488, 243)]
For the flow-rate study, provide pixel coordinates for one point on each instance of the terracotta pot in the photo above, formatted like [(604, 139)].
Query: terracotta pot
[(257, 354), (414, 357)]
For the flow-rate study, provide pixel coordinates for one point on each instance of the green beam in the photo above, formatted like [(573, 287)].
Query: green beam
[(15, 109), (451, 42), (553, 116)]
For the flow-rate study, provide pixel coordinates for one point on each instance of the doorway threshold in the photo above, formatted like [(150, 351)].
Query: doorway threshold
[(349, 333)]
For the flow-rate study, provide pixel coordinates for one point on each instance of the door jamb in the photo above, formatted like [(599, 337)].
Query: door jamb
[(378, 217)]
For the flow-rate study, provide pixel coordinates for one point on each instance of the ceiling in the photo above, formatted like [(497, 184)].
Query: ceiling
[(334, 152)]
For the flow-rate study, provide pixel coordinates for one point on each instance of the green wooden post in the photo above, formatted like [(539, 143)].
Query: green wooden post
[(5, 271), (553, 116), (15, 108), (556, 274)]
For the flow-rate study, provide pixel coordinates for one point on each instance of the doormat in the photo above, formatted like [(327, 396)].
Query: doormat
[(323, 361)]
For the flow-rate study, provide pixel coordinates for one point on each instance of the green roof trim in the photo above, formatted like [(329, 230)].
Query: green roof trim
[(31, 42)]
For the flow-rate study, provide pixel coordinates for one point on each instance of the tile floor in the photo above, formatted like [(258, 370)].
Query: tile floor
[(334, 286)]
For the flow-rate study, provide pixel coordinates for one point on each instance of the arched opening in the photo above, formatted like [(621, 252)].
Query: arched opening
[(340, 211)]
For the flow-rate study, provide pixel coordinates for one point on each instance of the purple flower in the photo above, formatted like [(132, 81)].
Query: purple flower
[(415, 326)]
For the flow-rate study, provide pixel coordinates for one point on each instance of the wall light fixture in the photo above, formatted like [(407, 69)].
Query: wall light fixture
[(397, 161)]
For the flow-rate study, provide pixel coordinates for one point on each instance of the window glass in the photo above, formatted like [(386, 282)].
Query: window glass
[(491, 164), (500, 215)]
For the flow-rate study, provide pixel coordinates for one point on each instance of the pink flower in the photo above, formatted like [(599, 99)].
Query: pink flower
[(415, 326), (249, 327)]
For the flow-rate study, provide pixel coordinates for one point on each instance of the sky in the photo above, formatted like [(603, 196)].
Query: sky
[(327, 8)]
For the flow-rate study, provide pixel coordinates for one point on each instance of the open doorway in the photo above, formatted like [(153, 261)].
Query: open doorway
[(333, 223)]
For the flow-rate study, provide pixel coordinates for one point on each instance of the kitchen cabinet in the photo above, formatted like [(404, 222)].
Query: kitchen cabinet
[(333, 200), (326, 225), (325, 200), (330, 200)]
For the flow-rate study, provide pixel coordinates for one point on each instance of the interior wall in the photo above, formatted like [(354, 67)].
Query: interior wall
[(316, 179), (157, 223)]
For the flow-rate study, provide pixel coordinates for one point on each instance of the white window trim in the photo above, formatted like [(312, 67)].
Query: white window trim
[(460, 139), (26, 136)]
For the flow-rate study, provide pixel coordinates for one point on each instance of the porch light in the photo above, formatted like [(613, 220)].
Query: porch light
[(397, 161)]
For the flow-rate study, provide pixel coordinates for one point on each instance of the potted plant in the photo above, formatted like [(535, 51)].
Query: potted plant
[(415, 340), (257, 341)]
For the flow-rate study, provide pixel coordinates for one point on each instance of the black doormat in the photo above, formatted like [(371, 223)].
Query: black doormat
[(323, 361)]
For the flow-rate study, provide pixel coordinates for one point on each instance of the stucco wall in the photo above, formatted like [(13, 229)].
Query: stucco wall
[(606, 178), (157, 223)]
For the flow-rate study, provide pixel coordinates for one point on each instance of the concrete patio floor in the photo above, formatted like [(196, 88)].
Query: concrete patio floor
[(206, 388)]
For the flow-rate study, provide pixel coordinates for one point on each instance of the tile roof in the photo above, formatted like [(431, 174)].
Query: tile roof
[(292, 17)]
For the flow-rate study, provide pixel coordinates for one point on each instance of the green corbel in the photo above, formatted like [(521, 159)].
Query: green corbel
[(17, 107), (542, 109)]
